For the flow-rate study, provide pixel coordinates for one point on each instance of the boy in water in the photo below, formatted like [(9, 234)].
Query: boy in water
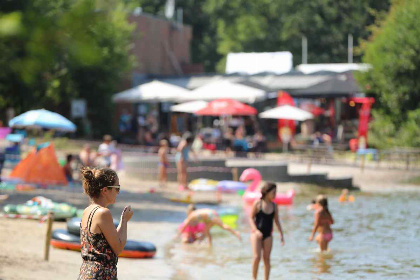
[(163, 162)]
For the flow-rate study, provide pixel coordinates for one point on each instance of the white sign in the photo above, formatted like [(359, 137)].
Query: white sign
[(78, 108)]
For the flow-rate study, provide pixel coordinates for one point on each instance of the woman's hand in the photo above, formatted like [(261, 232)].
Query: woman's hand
[(282, 240), (311, 238), (127, 213)]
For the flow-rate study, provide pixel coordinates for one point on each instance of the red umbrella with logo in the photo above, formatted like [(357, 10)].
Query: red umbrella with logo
[(226, 107)]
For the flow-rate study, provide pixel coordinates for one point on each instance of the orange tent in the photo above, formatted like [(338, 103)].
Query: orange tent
[(40, 168)]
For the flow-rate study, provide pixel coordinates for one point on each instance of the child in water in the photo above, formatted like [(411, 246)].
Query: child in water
[(345, 197), (163, 162), (207, 216), (263, 213), (322, 223)]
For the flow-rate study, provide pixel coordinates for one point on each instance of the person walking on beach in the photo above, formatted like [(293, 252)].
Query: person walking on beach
[(207, 216), (163, 162), (322, 223), (181, 158), (263, 213), (101, 242)]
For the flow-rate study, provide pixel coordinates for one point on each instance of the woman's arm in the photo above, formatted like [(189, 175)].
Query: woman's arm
[(181, 146), (316, 225), (331, 219), (277, 221), (208, 235), (115, 237), (252, 217)]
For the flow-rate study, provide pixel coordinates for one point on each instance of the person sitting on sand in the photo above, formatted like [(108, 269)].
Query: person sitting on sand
[(263, 213), (210, 218), (322, 223), (101, 241)]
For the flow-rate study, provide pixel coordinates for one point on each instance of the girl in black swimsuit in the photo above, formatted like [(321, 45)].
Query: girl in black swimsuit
[(263, 213)]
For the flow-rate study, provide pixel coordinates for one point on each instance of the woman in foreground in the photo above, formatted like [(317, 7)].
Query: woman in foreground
[(322, 223), (101, 242)]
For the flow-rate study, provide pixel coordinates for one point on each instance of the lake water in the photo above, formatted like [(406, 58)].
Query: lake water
[(376, 237)]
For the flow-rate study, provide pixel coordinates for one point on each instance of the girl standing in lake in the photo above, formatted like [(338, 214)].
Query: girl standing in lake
[(322, 223), (263, 213)]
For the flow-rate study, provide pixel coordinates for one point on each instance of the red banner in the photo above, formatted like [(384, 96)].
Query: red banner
[(283, 98)]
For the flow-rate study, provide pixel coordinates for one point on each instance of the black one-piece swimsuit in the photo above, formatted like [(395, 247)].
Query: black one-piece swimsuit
[(264, 222)]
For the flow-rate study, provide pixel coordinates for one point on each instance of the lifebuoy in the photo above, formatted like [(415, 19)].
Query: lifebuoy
[(62, 239)]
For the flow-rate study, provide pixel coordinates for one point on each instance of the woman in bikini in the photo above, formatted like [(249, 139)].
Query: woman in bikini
[(263, 213), (323, 222), (101, 241), (207, 216)]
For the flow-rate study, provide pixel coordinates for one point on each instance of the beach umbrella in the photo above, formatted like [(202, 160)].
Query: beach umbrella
[(189, 107), (226, 107), (42, 119), (225, 89), (286, 112), (154, 91)]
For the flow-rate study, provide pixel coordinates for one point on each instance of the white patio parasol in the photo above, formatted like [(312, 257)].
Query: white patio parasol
[(286, 112), (154, 91), (189, 107), (226, 89)]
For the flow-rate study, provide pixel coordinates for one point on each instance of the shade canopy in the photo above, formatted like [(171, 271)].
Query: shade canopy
[(189, 107), (286, 112), (226, 89), (42, 119), (154, 91), (227, 107)]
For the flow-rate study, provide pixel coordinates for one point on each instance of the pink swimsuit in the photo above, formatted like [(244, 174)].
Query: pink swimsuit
[(327, 236)]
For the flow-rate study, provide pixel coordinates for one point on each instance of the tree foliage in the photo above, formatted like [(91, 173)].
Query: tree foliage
[(53, 51), (223, 26), (393, 50)]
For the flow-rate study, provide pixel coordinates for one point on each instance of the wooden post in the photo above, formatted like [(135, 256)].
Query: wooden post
[(362, 162), (50, 219), (235, 174)]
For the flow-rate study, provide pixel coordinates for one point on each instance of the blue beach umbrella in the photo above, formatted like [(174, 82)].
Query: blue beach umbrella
[(44, 119)]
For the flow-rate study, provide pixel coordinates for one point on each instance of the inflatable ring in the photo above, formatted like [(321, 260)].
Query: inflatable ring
[(231, 186), (203, 185), (73, 225), (62, 239)]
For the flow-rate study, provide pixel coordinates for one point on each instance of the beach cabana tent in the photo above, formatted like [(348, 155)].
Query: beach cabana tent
[(226, 89), (286, 112), (154, 91), (189, 107)]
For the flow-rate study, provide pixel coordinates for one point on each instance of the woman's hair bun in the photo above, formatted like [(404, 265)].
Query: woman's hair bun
[(87, 173)]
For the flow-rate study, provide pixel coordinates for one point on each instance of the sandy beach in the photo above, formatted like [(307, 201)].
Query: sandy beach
[(155, 220)]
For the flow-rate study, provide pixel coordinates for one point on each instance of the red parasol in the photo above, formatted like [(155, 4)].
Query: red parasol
[(226, 107)]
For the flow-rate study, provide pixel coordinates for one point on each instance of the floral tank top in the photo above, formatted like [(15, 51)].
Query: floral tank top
[(99, 261)]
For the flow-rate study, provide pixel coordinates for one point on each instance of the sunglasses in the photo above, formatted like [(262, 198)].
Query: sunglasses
[(115, 187)]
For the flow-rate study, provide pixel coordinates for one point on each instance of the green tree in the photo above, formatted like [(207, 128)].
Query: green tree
[(393, 50), (59, 50)]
